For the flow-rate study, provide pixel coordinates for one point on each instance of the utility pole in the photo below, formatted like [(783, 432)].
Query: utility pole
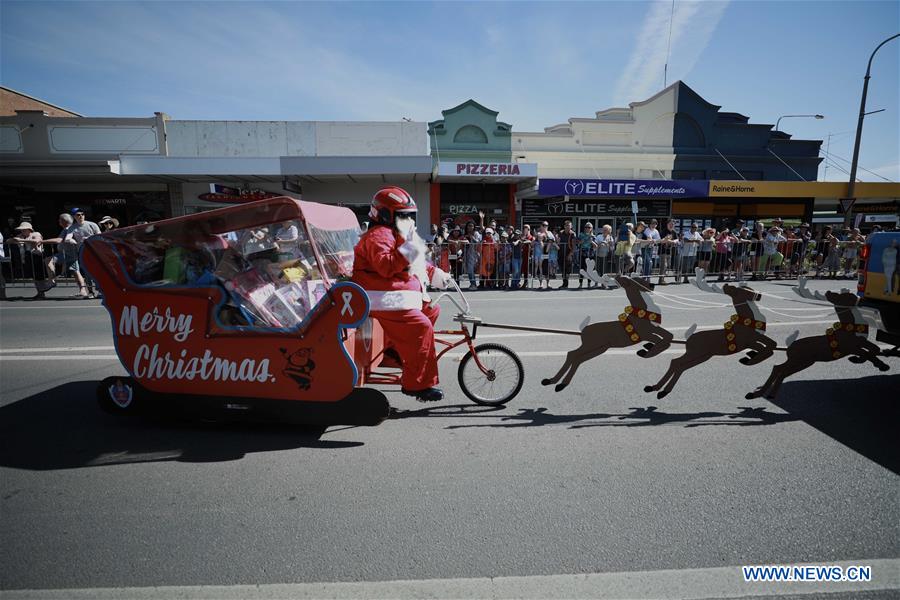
[(851, 186)]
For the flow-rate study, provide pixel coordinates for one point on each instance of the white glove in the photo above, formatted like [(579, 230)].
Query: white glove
[(441, 279), (410, 250), (405, 227)]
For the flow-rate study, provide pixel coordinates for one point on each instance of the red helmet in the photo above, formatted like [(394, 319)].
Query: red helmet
[(388, 201)]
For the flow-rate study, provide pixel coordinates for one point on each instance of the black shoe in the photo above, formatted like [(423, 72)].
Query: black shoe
[(427, 395)]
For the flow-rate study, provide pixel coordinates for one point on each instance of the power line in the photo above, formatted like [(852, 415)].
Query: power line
[(858, 166)]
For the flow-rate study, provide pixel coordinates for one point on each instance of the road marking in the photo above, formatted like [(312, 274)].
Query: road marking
[(67, 306), (683, 584), (678, 328), (56, 349), (67, 358), (486, 336)]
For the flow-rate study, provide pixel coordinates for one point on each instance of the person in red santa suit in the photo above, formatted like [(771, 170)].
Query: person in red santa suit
[(389, 263)]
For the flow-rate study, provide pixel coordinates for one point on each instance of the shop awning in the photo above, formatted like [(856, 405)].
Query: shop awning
[(317, 168), (57, 168)]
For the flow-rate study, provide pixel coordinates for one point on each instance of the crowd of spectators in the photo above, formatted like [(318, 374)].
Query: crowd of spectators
[(42, 260), (492, 256)]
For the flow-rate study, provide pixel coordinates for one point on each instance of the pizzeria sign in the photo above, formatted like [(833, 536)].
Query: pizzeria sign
[(493, 170)]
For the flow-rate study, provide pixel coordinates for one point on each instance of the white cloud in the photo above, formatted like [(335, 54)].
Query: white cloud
[(693, 24)]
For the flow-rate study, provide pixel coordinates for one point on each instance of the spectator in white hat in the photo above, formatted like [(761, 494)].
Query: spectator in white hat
[(108, 223), (32, 248)]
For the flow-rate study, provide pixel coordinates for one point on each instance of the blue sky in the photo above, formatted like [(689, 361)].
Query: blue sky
[(538, 63)]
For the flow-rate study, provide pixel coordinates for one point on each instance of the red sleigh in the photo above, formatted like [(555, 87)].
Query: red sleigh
[(242, 310)]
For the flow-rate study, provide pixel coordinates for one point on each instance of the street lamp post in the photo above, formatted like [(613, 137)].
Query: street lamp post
[(791, 116), (859, 125)]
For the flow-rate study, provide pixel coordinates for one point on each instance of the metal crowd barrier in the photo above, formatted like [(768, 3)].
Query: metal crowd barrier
[(503, 265), (21, 267)]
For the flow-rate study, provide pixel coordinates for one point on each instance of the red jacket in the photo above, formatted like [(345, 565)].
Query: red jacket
[(381, 270)]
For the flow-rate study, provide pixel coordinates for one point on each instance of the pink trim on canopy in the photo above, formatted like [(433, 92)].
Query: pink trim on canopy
[(327, 216)]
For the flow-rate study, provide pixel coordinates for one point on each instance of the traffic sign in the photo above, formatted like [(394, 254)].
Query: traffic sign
[(846, 204)]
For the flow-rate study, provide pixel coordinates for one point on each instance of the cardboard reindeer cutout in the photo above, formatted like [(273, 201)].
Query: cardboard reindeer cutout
[(640, 322), (847, 337), (745, 330)]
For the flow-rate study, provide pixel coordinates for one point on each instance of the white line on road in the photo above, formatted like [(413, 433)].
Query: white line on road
[(678, 328), (66, 306), (56, 349), (67, 358), (684, 584), (487, 336)]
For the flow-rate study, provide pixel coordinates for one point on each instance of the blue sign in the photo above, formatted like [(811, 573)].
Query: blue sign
[(625, 188)]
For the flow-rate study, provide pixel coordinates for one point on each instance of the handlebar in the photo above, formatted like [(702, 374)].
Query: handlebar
[(464, 311)]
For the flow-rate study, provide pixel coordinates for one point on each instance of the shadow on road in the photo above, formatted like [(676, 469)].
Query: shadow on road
[(861, 414), (63, 428), (453, 410), (638, 417)]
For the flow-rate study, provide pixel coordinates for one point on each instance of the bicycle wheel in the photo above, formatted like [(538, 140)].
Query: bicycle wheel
[(500, 384)]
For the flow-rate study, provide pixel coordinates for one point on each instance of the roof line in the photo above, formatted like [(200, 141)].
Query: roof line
[(39, 100)]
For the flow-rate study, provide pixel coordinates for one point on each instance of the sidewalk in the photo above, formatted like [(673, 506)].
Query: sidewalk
[(25, 293)]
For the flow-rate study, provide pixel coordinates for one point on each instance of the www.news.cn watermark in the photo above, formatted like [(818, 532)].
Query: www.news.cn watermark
[(773, 573)]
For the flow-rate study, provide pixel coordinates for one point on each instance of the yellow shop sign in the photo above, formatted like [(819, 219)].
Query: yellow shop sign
[(800, 189)]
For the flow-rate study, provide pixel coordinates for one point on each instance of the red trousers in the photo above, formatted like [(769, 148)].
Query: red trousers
[(411, 333)]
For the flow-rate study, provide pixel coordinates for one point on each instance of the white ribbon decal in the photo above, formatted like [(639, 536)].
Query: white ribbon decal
[(347, 296)]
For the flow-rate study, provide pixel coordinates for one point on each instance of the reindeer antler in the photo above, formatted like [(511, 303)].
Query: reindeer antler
[(590, 272), (700, 282), (608, 281), (803, 292)]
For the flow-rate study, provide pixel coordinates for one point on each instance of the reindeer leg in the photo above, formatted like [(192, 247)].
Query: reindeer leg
[(663, 379), (659, 347), (680, 365), (869, 352), (583, 356), (764, 349), (787, 369), (761, 390), (565, 367)]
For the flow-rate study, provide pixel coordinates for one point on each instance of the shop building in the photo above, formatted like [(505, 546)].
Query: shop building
[(51, 164), (474, 169), (341, 163), (673, 138), (145, 169)]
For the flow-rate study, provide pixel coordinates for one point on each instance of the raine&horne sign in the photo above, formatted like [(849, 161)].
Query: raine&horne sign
[(649, 188)]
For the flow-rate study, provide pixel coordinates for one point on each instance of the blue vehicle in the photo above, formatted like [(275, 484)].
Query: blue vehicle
[(879, 284)]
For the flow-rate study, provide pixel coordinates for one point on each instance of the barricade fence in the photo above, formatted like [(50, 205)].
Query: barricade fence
[(528, 264), (25, 264)]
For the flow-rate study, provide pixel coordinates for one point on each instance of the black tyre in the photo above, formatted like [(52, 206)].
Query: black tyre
[(118, 395), (503, 380)]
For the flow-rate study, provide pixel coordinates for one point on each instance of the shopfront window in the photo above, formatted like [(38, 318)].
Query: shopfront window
[(460, 202)]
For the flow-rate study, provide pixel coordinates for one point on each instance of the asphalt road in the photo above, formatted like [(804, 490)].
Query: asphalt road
[(599, 478)]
